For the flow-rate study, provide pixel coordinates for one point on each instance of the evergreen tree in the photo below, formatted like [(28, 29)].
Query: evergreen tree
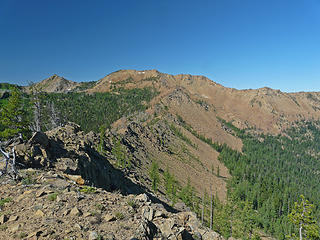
[(154, 175), (14, 116), (187, 194), (302, 217), (119, 152), (170, 185)]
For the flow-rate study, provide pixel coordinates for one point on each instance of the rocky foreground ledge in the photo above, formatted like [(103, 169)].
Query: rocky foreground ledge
[(55, 200)]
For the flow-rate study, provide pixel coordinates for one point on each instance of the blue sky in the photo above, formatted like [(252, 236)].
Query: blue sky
[(237, 43)]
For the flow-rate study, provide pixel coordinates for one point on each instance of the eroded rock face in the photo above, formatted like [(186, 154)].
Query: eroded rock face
[(70, 150)]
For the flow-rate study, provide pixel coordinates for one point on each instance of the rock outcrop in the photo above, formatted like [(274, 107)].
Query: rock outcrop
[(56, 198), (70, 150), (48, 205)]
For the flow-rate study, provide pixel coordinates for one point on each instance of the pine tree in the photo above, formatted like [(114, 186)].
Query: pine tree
[(302, 217), (154, 175), (14, 116), (119, 151), (187, 194), (170, 185)]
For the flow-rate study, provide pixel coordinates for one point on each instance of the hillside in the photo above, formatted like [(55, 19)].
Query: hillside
[(187, 139), (55, 84), (266, 109), (52, 202)]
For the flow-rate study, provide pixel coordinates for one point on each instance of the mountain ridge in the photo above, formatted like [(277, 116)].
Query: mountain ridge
[(196, 131), (155, 72), (266, 109)]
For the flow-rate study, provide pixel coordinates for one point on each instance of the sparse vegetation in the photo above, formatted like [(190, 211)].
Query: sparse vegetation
[(99, 207), (4, 201), (52, 197), (28, 179), (85, 85), (119, 215), (87, 190), (22, 235), (176, 131), (3, 227), (132, 203), (187, 194)]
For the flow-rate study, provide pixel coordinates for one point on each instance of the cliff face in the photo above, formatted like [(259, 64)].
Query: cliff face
[(69, 150)]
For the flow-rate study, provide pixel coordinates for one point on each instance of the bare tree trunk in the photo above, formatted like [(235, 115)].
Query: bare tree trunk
[(211, 211), (9, 158), (202, 212), (37, 114), (55, 121), (10, 164), (300, 231), (301, 223)]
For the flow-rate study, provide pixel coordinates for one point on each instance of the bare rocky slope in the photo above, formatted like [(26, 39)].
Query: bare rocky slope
[(55, 199), (55, 84)]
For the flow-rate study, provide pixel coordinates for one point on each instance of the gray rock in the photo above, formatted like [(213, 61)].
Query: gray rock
[(151, 213), (142, 198), (93, 235), (109, 217), (3, 219), (13, 218), (67, 165), (75, 212), (166, 227), (15, 227)]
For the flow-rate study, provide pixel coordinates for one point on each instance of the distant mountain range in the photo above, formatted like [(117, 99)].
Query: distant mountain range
[(265, 109)]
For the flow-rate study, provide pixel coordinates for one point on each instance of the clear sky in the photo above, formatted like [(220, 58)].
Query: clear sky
[(237, 43)]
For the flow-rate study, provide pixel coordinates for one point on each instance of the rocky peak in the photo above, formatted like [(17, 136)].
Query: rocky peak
[(57, 84)]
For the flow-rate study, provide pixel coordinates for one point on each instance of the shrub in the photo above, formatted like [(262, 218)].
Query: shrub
[(119, 215), (52, 196), (87, 189), (132, 203), (5, 200)]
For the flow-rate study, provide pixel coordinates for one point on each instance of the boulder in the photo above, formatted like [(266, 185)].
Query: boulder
[(39, 138)]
